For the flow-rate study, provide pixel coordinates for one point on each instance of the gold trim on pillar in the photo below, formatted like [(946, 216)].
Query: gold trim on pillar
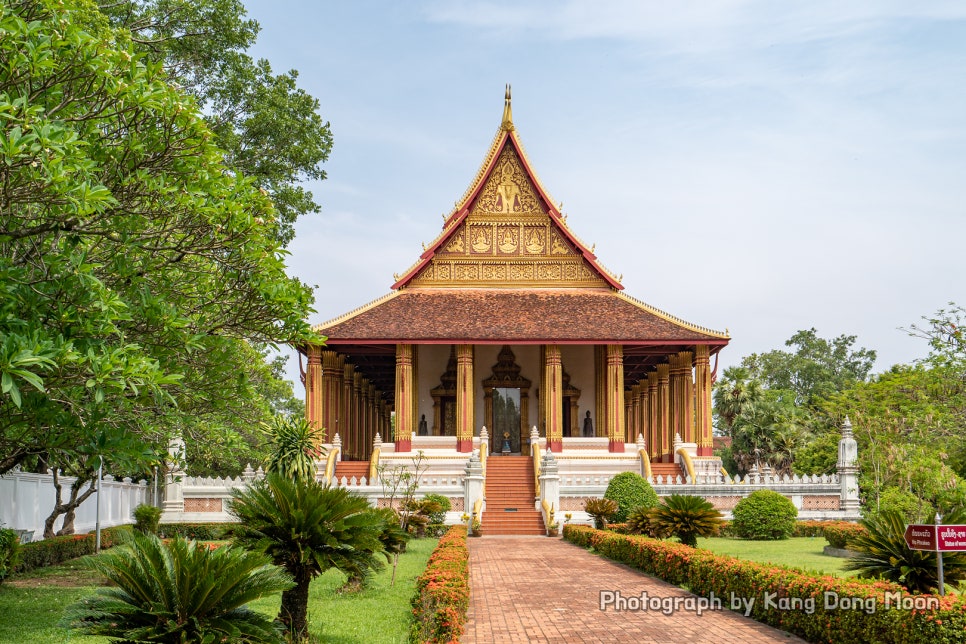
[(313, 386), (702, 400), (346, 406), (405, 383), (553, 396), (682, 419), (664, 439), (615, 397), (464, 397), (600, 390), (652, 426), (332, 367)]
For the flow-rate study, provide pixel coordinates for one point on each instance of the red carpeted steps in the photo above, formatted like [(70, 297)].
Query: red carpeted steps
[(348, 469), (510, 493), (670, 472)]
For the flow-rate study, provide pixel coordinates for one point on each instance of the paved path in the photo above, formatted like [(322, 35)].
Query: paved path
[(535, 589)]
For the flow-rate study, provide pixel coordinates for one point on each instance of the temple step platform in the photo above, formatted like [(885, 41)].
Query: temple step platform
[(510, 493)]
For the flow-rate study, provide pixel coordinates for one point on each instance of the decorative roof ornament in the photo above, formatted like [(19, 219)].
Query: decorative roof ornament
[(507, 123)]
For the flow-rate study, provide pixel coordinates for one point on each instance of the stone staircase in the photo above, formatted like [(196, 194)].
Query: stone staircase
[(672, 470), (510, 494), (348, 469)]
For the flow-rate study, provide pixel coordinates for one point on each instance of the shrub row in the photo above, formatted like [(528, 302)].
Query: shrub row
[(57, 550), (196, 531), (809, 528), (839, 536), (443, 591), (819, 609)]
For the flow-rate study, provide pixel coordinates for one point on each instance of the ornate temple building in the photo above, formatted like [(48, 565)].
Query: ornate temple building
[(507, 370), (507, 320)]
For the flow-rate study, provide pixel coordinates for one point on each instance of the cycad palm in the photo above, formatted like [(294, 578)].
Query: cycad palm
[(307, 528), (180, 593), (883, 554), (685, 517)]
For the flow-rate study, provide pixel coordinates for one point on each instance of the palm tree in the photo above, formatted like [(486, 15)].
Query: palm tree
[(307, 528), (602, 510), (685, 517), (184, 592), (884, 554), (296, 445)]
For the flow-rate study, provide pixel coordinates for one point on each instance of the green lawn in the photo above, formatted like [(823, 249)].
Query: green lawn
[(31, 605), (799, 552)]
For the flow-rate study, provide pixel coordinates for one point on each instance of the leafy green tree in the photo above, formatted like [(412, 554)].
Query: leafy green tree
[(307, 528), (685, 517), (269, 128), (182, 592), (129, 251)]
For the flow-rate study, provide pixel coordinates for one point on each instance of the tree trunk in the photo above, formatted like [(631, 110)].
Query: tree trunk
[(295, 606), (67, 509)]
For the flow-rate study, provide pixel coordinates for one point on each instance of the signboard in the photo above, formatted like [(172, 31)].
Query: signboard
[(921, 537), (951, 538), (941, 538)]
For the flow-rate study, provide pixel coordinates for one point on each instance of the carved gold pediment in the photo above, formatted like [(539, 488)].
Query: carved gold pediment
[(508, 190)]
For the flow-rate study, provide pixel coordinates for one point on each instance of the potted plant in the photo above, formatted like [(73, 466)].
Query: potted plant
[(477, 527), (553, 529)]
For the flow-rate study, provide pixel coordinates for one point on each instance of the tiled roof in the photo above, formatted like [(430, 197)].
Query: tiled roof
[(512, 315)]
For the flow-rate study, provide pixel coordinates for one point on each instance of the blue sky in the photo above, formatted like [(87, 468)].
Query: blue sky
[(757, 166)]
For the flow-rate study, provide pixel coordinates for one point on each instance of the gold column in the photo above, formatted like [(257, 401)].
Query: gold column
[(372, 414), (702, 400), (405, 384), (664, 438), (345, 426), (332, 365), (682, 420), (600, 390), (313, 386), (358, 419), (652, 427), (615, 397), (636, 412), (553, 396), (628, 415), (464, 397)]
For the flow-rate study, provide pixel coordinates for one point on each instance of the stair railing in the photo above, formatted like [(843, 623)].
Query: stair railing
[(645, 465)]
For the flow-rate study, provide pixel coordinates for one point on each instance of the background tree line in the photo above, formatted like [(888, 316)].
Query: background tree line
[(784, 408)]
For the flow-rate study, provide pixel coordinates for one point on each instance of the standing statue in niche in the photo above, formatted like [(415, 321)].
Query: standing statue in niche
[(423, 428), (507, 447), (588, 426)]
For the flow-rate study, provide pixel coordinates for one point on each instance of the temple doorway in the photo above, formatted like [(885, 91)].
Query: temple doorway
[(506, 420)]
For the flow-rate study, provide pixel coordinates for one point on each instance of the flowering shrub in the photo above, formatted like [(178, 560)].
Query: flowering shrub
[(839, 536), (443, 591), (819, 609)]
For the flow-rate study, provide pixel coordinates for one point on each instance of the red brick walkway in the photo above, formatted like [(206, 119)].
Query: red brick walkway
[(535, 589)]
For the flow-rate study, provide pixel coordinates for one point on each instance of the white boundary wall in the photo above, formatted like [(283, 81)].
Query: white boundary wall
[(26, 501)]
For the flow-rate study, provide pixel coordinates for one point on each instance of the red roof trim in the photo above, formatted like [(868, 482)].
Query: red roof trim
[(554, 215), (637, 343)]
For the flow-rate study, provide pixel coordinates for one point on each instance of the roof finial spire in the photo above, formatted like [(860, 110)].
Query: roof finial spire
[(507, 114)]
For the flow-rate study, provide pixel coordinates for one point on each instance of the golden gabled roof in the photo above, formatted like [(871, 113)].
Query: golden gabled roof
[(554, 256)]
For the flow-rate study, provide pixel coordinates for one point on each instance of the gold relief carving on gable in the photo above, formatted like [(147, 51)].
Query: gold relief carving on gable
[(466, 272), (534, 240), (508, 190), (508, 239), (521, 272), (443, 271), (558, 246), (494, 272), (480, 238), (456, 244)]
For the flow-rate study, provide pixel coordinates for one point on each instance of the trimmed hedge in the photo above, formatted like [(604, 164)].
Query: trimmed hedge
[(50, 552), (839, 536), (443, 591), (196, 531), (630, 490), (764, 515), (787, 598), (806, 528)]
